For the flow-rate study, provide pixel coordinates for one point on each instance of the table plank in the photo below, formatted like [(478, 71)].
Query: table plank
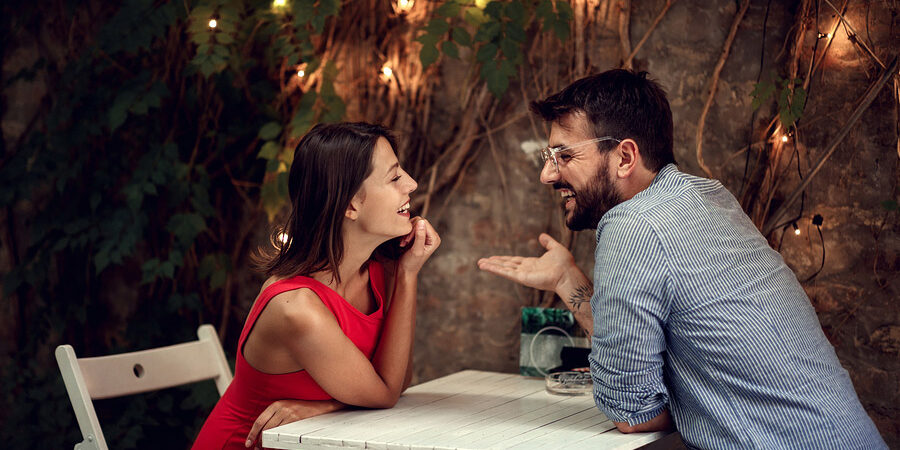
[(415, 396), (468, 410), (367, 432)]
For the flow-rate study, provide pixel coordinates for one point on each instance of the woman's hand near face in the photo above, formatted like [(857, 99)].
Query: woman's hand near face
[(423, 240)]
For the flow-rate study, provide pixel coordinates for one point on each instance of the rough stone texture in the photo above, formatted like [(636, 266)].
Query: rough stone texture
[(468, 320)]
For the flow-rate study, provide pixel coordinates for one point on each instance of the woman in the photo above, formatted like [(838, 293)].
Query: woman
[(311, 334)]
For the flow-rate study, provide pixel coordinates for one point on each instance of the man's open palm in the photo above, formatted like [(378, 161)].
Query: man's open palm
[(542, 273)]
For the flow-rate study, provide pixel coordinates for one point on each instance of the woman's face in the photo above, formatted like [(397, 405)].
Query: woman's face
[(382, 202)]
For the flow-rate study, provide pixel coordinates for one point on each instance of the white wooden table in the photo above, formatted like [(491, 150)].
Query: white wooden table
[(466, 410)]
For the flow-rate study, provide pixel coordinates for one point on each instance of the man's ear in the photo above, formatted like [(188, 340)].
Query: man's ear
[(628, 156)]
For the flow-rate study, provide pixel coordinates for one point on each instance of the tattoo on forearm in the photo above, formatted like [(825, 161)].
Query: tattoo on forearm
[(581, 295)]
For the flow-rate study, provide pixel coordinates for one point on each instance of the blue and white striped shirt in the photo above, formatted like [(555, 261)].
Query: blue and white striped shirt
[(694, 311)]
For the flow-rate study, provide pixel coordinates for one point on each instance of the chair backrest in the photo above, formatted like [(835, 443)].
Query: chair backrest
[(110, 376)]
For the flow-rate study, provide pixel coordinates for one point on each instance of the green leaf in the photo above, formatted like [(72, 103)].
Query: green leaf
[(561, 29), (487, 32), (186, 227), (119, 111), (428, 39), (798, 102), (449, 9), (544, 10), (564, 10), (167, 269), (269, 150), (329, 7), (272, 202), (474, 16), (761, 92), (494, 9), (150, 269), (461, 36), (487, 52), (437, 27), (270, 131), (516, 33), (510, 49), (515, 10), (786, 119), (497, 82), (450, 49), (428, 55), (507, 68), (224, 38)]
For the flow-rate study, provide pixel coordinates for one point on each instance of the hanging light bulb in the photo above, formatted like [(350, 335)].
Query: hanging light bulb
[(387, 71), (404, 6), (300, 73), (796, 229), (282, 238), (212, 23), (784, 138)]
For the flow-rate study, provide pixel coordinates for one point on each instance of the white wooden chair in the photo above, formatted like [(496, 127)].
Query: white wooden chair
[(110, 376)]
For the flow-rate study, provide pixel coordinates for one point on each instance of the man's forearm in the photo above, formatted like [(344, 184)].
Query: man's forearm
[(576, 291)]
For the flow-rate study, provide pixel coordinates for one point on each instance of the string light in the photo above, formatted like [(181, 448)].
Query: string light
[(279, 3), (212, 23), (387, 71), (796, 229), (825, 35), (283, 238), (404, 6), (784, 138), (300, 73)]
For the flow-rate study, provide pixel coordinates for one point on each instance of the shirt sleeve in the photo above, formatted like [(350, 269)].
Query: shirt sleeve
[(630, 306)]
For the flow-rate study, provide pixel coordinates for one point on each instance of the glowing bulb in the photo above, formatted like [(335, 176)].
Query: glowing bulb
[(300, 73), (387, 71), (279, 3), (405, 5), (283, 238), (784, 138), (212, 23), (797, 232)]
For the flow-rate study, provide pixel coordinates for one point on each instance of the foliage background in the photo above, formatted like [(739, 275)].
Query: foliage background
[(145, 157)]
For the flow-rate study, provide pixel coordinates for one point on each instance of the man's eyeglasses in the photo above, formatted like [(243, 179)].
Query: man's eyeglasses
[(550, 152)]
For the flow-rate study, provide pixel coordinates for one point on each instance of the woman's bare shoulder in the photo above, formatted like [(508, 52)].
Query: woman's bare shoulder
[(299, 311)]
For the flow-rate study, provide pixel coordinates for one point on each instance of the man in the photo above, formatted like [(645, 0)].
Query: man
[(694, 318)]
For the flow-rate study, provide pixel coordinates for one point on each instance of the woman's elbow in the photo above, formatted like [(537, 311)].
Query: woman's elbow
[(386, 401)]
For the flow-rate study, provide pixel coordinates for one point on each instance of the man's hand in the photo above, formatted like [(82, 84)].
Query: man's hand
[(554, 271), (544, 273), (287, 411)]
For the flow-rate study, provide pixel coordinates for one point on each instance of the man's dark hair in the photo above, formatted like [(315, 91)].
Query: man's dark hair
[(622, 104), (330, 163)]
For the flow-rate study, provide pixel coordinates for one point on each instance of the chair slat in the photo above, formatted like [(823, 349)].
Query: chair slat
[(148, 370)]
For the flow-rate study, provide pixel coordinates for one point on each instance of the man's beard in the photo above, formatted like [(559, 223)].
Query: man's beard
[(593, 202)]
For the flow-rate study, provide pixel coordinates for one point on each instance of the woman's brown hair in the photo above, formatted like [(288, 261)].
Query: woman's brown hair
[(330, 163)]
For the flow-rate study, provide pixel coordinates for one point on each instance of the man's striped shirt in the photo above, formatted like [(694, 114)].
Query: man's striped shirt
[(695, 312)]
